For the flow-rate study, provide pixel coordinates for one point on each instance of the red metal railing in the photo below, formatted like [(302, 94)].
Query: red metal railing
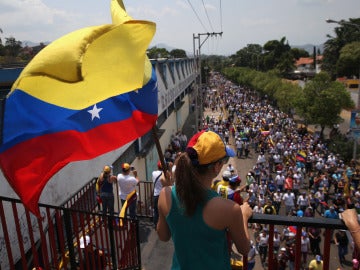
[(65, 239), (55, 240), (299, 222)]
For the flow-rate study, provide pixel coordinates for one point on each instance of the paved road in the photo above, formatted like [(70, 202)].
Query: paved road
[(158, 255)]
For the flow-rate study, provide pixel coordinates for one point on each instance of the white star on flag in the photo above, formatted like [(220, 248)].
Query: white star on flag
[(95, 112)]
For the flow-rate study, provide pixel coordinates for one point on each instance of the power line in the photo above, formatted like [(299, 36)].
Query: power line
[(207, 15), (220, 17), (197, 15)]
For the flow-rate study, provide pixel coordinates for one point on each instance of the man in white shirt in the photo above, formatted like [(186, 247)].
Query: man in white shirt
[(289, 201), (127, 184)]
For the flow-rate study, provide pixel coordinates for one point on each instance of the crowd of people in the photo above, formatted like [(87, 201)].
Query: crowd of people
[(294, 173)]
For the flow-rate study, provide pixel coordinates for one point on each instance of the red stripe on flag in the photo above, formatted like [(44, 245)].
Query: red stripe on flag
[(29, 165)]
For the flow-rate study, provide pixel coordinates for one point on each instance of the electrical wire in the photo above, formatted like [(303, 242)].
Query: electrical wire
[(207, 16), (220, 16), (197, 15)]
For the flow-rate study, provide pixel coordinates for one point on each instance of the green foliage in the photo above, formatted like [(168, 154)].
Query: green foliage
[(270, 84), (345, 32), (342, 146), (297, 53), (177, 53), (322, 101), (155, 52), (12, 46), (349, 60)]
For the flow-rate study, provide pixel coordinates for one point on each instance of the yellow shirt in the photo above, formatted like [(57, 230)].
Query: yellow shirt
[(313, 265)]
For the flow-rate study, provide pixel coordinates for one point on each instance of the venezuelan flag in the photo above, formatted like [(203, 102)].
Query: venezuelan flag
[(85, 94), (301, 156)]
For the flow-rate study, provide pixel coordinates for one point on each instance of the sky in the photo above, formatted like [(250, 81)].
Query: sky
[(242, 22)]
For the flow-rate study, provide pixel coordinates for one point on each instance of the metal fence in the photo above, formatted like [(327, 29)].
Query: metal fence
[(64, 238)]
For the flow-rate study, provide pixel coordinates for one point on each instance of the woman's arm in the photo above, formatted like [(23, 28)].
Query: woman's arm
[(238, 227), (164, 206)]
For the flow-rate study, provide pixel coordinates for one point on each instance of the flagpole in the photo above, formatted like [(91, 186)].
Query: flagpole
[(158, 147)]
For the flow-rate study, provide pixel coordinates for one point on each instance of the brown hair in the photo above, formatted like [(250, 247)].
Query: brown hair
[(189, 188)]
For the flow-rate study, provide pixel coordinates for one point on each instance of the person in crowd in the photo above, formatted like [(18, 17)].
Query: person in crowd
[(316, 264), (127, 185), (251, 256), (221, 187), (331, 213), (305, 247), (276, 241), (92, 257), (105, 183), (269, 209), (282, 259), (315, 239), (249, 180), (289, 201), (341, 241), (263, 242), (290, 250), (159, 183), (191, 203), (276, 198)]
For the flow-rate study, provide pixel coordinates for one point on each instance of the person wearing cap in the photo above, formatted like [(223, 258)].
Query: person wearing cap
[(195, 216), (316, 264), (282, 259), (249, 180), (105, 189), (127, 184), (229, 188), (226, 175)]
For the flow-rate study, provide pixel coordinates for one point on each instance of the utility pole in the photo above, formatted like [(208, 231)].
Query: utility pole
[(197, 57)]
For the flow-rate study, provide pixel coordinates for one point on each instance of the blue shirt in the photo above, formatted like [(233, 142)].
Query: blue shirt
[(329, 214)]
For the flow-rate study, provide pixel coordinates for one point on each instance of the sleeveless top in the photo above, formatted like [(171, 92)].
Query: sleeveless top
[(197, 246), (106, 186)]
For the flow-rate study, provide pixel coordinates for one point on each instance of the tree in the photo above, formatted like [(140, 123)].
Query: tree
[(178, 53), (297, 53), (12, 47), (314, 58), (250, 56), (346, 32), (155, 52), (322, 101), (278, 55), (349, 60)]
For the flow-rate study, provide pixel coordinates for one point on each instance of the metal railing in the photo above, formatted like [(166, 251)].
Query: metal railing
[(299, 223), (64, 238), (54, 241)]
